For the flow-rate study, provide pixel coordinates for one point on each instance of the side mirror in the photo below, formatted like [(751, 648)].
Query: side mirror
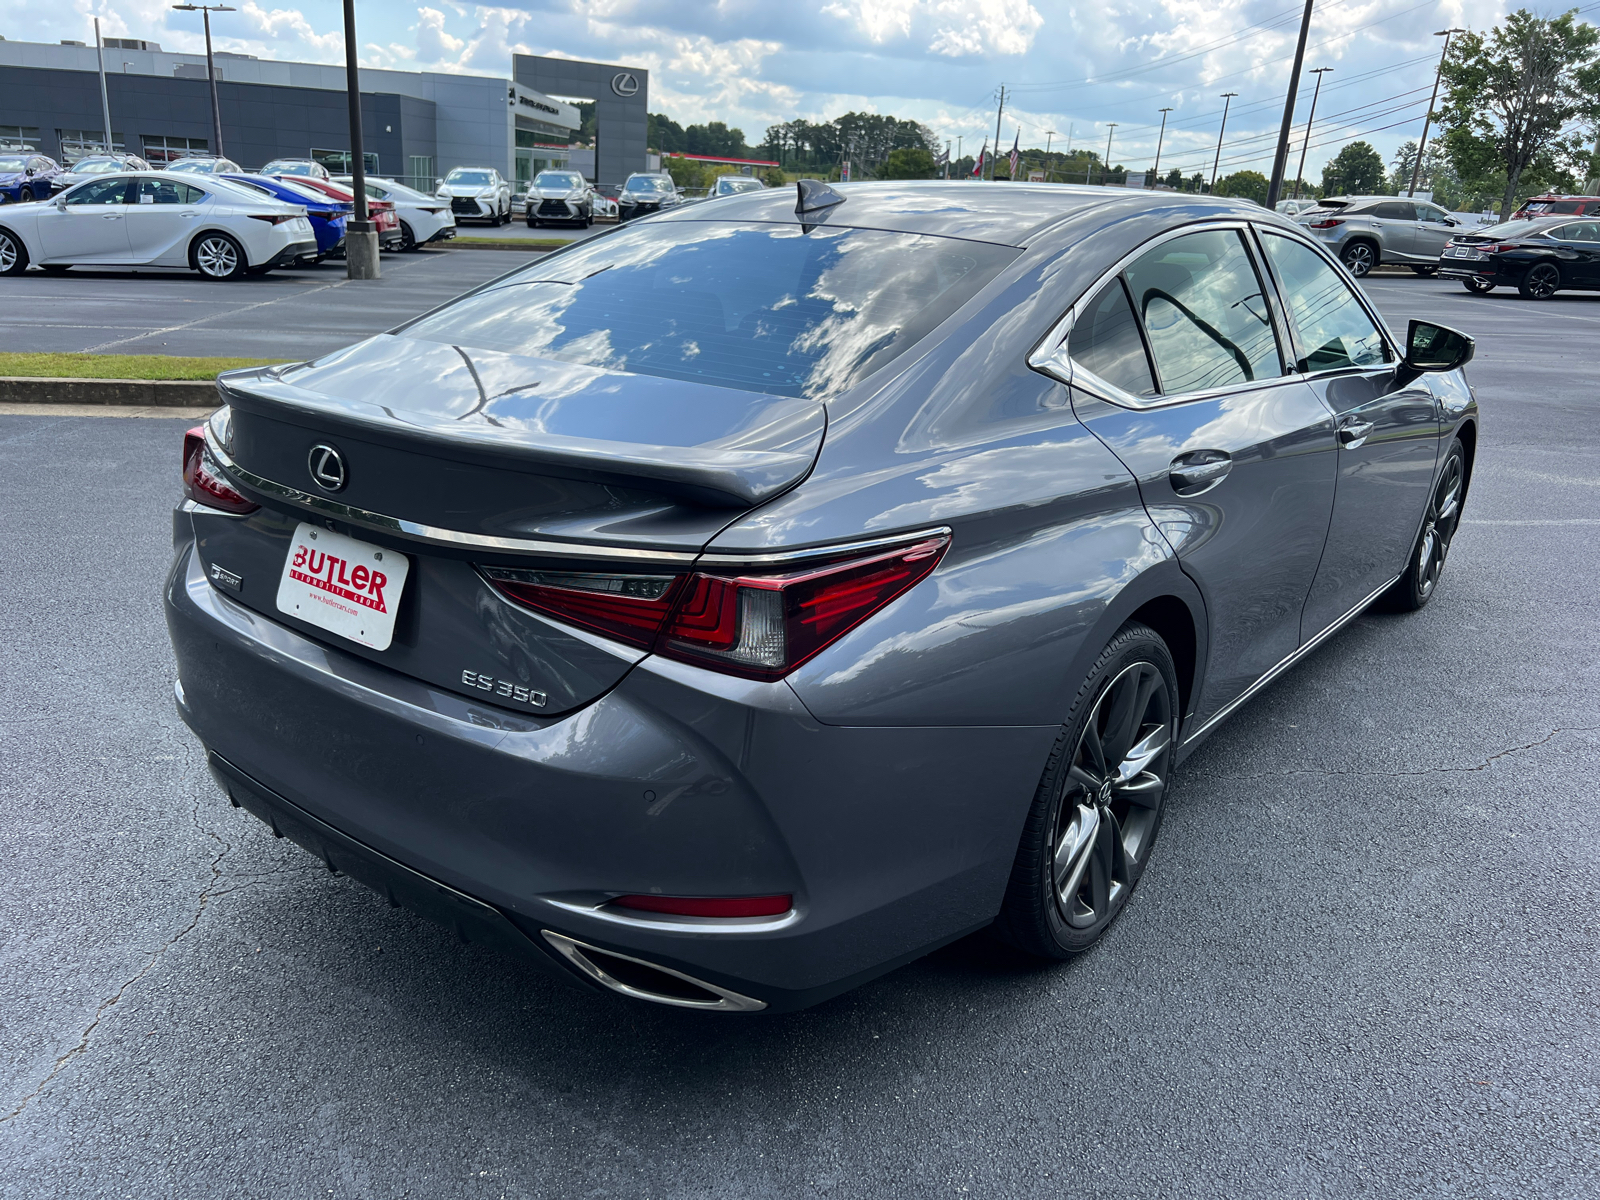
[(1431, 347)]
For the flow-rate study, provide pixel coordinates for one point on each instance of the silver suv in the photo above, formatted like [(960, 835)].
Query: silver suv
[(1364, 231)]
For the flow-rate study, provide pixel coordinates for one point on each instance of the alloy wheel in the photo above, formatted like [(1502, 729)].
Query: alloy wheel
[(1359, 259), (1444, 515), (8, 253), (1542, 282), (1112, 802), (216, 257)]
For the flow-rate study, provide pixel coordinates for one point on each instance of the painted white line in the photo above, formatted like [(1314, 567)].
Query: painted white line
[(103, 410)]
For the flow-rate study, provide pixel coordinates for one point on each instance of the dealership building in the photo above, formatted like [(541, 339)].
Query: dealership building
[(416, 125)]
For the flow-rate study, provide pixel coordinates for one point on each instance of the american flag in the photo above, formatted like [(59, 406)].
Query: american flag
[(1015, 154)]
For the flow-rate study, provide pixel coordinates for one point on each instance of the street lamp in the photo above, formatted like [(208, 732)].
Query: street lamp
[(1227, 99), (1105, 167), (1049, 134), (1299, 175), (1416, 167), (1155, 172), (211, 70)]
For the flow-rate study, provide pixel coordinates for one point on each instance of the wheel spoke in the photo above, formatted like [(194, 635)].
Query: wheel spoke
[(1084, 779), (1072, 852), (1142, 753)]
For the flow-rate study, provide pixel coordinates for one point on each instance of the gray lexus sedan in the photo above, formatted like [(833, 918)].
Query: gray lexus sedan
[(734, 606)]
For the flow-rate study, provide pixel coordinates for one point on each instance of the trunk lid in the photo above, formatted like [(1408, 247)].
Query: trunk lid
[(465, 458)]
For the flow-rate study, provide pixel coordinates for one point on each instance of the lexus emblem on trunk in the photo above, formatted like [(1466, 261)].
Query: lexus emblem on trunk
[(327, 468)]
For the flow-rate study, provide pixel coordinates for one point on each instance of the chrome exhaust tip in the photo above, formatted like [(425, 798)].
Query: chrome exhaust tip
[(641, 980)]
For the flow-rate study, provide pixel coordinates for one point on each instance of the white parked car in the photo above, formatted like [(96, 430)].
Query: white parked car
[(477, 194), (158, 219), (423, 218), (560, 196), (307, 167), (204, 166)]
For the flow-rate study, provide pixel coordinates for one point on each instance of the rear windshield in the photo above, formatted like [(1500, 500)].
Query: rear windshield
[(758, 307), (1517, 229)]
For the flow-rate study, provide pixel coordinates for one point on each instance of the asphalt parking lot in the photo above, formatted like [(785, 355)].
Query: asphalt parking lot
[(1363, 961)]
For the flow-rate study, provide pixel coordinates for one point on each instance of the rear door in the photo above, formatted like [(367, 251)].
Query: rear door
[(1581, 240), (1434, 227), (161, 218), (1395, 221), (89, 225), (1388, 430), (1177, 368)]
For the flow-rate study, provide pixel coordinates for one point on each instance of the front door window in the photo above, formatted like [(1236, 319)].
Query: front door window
[(1335, 331)]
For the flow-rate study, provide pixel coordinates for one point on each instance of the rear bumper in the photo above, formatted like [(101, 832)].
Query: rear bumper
[(1489, 271), (293, 252), (678, 781)]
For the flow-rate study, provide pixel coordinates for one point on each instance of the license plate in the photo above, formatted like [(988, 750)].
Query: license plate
[(344, 586)]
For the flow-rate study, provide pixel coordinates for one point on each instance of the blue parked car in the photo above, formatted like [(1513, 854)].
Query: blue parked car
[(328, 216), (26, 177)]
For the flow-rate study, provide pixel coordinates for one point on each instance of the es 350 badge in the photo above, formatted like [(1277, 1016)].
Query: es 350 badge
[(503, 688)]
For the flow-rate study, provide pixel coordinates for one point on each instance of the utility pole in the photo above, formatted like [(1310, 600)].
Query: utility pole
[(1227, 99), (105, 103), (361, 232), (997, 117), (1105, 167), (211, 68), (1155, 172), (1281, 157), (1422, 146), (1049, 134), (1299, 174), (959, 138)]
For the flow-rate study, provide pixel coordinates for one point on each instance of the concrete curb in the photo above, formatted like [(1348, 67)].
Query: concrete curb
[(127, 393)]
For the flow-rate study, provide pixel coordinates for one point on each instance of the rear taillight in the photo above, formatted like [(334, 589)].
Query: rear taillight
[(754, 624), (1326, 223), (202, 482), (273, 218), (709, 906)]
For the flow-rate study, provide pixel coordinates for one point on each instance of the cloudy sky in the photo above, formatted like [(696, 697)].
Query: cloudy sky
[(1071, 67)]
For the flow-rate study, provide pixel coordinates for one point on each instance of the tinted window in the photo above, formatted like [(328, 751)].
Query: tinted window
[(557, 179), (1203, 313), (1565, 206), (1579, 231), (1395, 211), (759, 307), (1106, 340), (168, 191), (101, 191), (1426, 212), (1334, 329), (645, 183)]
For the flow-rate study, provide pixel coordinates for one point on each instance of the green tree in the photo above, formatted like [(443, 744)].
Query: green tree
[(1248, 185), (1357, 170), (909, 162), (1174, 179), (1509, 97)]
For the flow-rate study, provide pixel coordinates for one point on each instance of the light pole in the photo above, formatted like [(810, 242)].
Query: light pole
[(1306, 145), (1422, 146), (1155, 172), (1280, 159), (1227, 99), (105, 103), (1048, 135), (211, 70), (998, 114), (361, 234), (1105, 167)]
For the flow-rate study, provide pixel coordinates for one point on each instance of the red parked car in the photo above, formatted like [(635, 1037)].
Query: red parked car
[(390, 236), (1557, 206)]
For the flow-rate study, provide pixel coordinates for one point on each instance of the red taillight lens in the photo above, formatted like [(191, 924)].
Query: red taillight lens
[(1327, 223), (202, 483), (709, 906), (273, 218), (757, 626)]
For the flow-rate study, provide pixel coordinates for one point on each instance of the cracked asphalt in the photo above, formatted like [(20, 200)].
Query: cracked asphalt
[(1363, 963)]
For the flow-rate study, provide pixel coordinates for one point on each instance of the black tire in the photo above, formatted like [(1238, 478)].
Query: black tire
[(1359, 258), (1426, 272), (1478, 287), (408, 240), (13, 254), (26, 195), (532, 224), (1541, 282), (1087, 838), (1417, 586), (217, 256)]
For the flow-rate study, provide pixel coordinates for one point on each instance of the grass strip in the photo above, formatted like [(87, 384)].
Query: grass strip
[(120, 366)]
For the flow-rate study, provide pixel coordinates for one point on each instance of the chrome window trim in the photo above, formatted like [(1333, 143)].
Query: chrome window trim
[(434, 535), (1049, 356)]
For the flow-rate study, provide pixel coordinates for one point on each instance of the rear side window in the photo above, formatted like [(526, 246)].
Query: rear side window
[(1105, 339), (764, 308), (168, 191), (1579, 231), (1334, 329), (1395, 210), (1204, 315)]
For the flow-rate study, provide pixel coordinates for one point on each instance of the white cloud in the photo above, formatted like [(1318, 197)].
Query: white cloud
[(952, 28)]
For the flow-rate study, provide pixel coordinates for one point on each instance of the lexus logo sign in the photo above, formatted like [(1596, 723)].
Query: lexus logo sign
[(327, 468), (625, 83)]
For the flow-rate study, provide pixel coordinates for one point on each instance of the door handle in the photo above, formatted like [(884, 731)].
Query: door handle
[(1194, 473), (1353, 433), (111, 216)]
